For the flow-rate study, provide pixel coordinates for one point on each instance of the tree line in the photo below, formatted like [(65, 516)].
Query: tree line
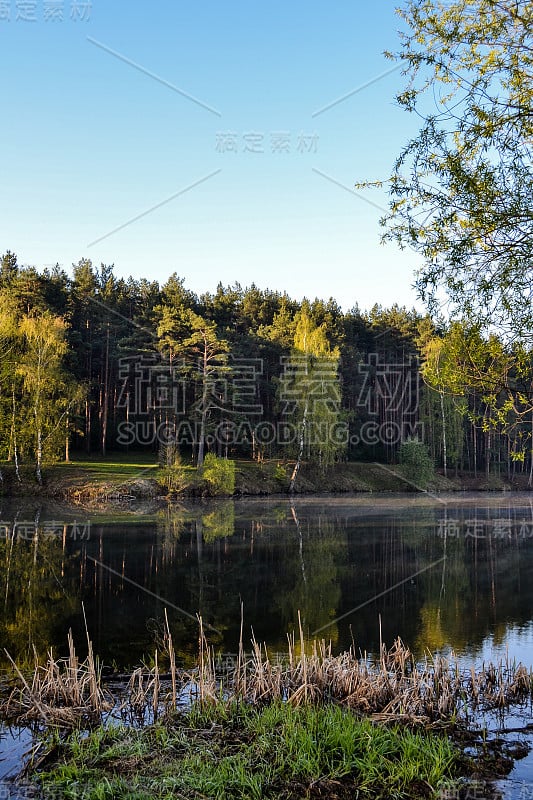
[(94, 363)]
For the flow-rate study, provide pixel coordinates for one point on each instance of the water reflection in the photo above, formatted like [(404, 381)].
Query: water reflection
[(454, 574)]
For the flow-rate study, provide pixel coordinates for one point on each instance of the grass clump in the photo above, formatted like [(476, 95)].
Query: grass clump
[(242, 751)]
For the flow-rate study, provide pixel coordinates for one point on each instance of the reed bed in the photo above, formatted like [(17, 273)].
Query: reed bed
[(392, 686), (63, 692)]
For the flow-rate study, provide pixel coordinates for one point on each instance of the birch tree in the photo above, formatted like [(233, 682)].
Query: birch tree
[(9, 351), (44, 384), (311, 388)]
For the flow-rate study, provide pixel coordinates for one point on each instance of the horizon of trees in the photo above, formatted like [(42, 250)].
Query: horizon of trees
[(97, 364)]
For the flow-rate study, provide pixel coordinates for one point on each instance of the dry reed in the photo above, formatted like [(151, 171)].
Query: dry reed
[(391, 686), (63, 692)]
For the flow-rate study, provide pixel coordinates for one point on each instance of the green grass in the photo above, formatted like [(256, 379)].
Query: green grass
[(246, 752), (119, 467)]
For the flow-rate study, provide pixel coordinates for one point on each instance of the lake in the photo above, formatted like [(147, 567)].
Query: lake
[(443, 573)]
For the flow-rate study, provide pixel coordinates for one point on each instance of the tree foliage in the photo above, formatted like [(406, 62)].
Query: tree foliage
[(416, 462), (219, 474), (461, 188), (93, 361), (311, 386)]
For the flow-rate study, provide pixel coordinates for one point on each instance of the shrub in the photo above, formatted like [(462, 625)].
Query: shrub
[(219, 474), (172, 474), (416, 462), (280, 474)]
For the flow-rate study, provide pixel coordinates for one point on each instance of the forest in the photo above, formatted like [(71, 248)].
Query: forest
[(96, 364)]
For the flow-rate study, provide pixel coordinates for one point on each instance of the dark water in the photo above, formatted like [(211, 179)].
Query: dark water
[(443, 573)]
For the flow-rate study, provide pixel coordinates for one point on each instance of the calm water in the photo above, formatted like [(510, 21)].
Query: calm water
[(443, 573)]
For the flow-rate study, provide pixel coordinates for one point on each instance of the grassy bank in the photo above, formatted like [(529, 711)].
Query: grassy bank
[(239, 751), (124, 477)]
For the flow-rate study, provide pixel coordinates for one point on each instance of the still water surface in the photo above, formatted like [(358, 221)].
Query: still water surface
[(453, 572)]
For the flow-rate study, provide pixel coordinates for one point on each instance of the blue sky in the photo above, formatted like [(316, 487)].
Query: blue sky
[(101, 125)]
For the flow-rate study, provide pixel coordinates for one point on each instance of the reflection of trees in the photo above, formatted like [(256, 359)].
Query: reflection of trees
[(487, 582), (216, 521), (309, 583), (483, 584), (170, 525), (383, 555), (216, 561), (36, 597), (220, 523), (326, 564), (277, 560)]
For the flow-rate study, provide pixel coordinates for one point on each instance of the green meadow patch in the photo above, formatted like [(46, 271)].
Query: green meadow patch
[(243, 751)]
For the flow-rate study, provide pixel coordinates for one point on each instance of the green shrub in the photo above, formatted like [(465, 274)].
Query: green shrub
[(280, 474), (172, 474), (416, 462), (219, 474)]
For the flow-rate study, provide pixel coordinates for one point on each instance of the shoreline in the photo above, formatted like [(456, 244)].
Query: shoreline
[(85, 483)]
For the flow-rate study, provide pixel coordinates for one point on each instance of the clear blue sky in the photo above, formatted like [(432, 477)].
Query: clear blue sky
[(89, 141)]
